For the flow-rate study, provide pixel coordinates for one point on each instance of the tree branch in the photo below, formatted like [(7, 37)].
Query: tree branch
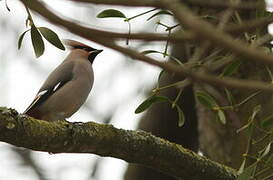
[(154, 3), (179, 71), (146, 3), (217, 37), (250, 25), (105, 140), (228, 4), (174, 37)]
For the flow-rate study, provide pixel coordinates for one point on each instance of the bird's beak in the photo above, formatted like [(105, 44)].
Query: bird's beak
[(97, 51), (93, 54)]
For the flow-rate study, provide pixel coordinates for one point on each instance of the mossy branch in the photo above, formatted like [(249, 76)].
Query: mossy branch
[(105, 140)]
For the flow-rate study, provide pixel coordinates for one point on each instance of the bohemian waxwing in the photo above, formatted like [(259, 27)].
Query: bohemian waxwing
[(67, 87)]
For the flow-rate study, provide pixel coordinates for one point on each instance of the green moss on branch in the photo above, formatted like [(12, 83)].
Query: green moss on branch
[(105, 140)]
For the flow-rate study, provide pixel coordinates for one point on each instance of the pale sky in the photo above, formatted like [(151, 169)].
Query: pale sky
[(22, 75)]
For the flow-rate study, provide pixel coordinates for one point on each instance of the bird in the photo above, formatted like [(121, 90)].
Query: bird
[(67, 87)]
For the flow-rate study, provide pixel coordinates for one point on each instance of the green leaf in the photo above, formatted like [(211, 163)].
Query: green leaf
[(247, 173), (268, 121), (181, 116), (221, 116), (160, 75), (148, 102), (231, 68), (230, 97), (160, 13), (21, 38), (37, 41), (266, 151), (150, 51), (51, 37), (111, 13), (242, 167), (205, 99)]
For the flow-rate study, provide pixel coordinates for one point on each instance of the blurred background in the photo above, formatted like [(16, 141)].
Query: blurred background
[(121, 84)]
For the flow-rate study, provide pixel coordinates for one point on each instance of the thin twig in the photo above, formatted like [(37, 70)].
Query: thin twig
[(179, 71), (154, 3), (206, 31)]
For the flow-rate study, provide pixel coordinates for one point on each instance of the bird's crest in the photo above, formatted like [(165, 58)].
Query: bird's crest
[(72, 44)]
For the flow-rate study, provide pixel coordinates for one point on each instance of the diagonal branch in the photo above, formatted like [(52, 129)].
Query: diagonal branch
[(250, 25), (228, 4), (233, 29), (175, 37), (217, 37), (105, 140), (146, 3), (154, 3), (180, 71)]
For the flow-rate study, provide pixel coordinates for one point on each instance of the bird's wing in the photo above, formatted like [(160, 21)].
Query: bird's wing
[(58, 78)]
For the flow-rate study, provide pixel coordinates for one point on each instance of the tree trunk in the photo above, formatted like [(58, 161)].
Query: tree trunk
[(216, 141)]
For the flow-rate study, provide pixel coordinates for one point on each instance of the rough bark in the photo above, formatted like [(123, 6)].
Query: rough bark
[(105, 140), (217, 141), (212, 133)]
